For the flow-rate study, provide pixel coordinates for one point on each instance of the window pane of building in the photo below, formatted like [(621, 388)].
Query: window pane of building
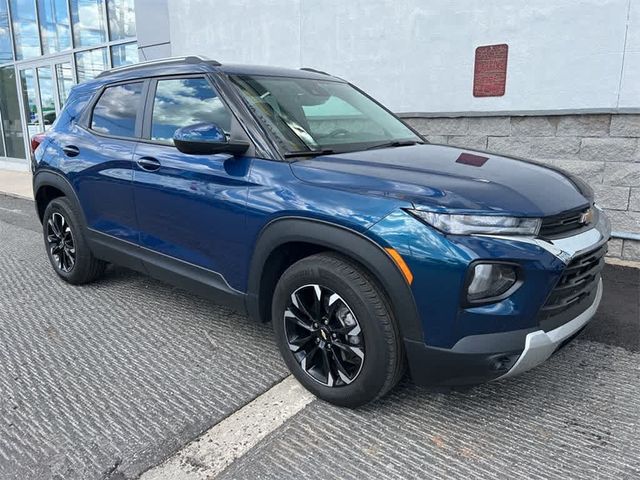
[(28, 82), (91, 63), (115, 113), (2, 152), (89, 23), (55, 31), (25, 29), (6, 49), (122, 19), (124, 54), (64, 74), (179, 103), (10, 114), (47, 99)]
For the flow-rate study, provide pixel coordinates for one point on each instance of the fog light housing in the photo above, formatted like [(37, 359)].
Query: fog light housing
[(491, 282)]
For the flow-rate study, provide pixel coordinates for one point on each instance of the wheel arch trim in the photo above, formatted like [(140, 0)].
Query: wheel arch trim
[(341, 239), (48, 178)]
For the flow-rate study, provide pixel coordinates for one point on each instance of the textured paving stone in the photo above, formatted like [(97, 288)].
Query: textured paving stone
[(575, 417), (107, 380)]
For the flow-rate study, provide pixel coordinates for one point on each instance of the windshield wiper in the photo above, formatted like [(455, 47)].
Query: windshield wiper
[(395, 143), (308, 153)]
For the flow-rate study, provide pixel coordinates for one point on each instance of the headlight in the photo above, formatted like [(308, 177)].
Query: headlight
[(487, 224), (488, 281)]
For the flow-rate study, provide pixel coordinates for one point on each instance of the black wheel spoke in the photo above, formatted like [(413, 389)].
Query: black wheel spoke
[(342, 371), (326, 364), (357, 351), (289, 314), (307, 360), (299, 305), (324, 336), (299, 343)]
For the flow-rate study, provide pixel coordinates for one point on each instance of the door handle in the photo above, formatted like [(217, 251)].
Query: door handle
[(148, 164), (71, 150)]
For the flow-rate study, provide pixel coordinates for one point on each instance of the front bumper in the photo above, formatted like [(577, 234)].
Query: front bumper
[(540, 345), (482, 358)]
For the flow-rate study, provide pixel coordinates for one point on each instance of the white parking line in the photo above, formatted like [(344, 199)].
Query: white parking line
[(217, 448)]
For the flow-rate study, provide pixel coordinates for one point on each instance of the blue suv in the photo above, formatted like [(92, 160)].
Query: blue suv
[(292, 196)]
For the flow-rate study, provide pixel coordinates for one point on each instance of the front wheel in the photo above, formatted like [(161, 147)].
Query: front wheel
[(335, 330)]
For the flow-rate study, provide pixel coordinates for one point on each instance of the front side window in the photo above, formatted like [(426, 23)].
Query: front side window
[(116, 110), (187, 101), (309, 114)]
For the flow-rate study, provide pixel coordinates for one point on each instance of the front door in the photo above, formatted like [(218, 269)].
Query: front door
[(190, 207)]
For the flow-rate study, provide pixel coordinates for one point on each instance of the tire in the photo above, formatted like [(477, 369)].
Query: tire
[(335, 330), (66, 245)]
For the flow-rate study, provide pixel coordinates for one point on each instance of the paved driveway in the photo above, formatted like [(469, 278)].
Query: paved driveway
[(114, 376), (107, 380)]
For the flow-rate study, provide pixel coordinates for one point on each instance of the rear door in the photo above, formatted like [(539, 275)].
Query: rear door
[(99, 159), (190, 207)]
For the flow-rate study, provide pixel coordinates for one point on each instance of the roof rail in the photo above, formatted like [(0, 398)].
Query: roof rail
[(191, 59), (308, 69)]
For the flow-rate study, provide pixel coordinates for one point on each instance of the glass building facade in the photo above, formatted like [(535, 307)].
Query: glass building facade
[(46, 46)]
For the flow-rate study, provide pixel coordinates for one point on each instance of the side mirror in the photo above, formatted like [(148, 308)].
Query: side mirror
[(206, 139)]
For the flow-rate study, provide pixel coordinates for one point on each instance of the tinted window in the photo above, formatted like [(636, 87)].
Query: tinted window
[(182, 102), (115, 112)]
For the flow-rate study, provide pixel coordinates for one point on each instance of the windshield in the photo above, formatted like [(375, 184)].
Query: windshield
[(319, 115)]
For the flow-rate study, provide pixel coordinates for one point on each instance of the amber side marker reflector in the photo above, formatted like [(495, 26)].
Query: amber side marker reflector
[(401, 264)]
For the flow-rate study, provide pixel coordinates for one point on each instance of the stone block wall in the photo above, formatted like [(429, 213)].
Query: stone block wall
[(602, 149)]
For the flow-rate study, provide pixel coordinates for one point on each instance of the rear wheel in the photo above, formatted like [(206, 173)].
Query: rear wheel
[(66, 246), (336, 331)]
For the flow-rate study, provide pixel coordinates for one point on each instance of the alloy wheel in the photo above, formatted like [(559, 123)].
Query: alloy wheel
[(60, 242), (324, 335)]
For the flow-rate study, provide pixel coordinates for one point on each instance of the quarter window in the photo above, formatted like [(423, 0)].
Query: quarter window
[(116, 110), (182, 102)]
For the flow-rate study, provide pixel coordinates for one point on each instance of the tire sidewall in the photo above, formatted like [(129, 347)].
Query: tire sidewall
[(372, 377)]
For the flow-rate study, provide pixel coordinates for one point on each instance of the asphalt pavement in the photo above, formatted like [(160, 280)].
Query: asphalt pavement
[(110, 379)]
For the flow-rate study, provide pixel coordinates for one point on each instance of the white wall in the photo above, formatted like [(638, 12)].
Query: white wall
[(417, 56)]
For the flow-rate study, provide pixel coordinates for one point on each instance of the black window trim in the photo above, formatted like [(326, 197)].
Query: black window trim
[(87, 117), (147, 120)]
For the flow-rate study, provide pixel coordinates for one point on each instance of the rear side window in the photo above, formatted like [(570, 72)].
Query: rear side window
[(183, 102), (116, 111)]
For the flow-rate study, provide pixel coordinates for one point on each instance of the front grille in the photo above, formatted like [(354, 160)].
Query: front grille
[(563, 223), (576, 287)]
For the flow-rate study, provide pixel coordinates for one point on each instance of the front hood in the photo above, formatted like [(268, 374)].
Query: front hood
[(436, 177)]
